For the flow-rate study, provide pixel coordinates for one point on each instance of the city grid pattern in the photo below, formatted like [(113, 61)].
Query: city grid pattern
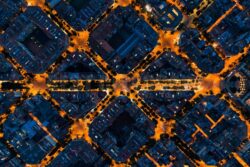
[(134, 83)]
